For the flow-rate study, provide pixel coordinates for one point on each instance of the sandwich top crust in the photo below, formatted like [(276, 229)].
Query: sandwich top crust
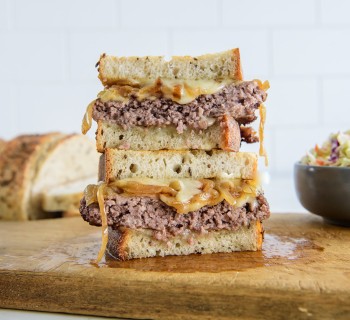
[(223, 65)]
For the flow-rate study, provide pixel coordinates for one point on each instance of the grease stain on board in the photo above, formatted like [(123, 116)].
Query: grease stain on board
[(277, 250)]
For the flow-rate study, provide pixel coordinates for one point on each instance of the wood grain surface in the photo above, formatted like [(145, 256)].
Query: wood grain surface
[(303, 272)]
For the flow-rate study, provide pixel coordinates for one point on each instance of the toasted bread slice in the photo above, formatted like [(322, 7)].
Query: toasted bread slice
[(223, 65), (20, 161), (63, 164), (223, 135), (66, 197), (125, 244), (196, 164)]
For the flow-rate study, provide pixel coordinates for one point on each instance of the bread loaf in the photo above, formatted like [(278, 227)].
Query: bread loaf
[(20, 161), (32, 164)]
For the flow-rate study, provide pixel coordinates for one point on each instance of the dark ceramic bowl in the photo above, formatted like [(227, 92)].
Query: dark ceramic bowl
[(324, 191)]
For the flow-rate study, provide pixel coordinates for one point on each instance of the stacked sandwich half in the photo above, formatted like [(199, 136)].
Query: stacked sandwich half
[(172, 179)]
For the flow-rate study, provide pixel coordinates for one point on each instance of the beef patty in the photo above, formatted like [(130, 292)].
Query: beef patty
[(151, 213)]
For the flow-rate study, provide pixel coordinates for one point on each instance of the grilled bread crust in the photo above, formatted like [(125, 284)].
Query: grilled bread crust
[(223, 65), (168, 164), (223, 135), (125, 243)]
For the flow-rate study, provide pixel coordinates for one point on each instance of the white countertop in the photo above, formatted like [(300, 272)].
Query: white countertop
[(10, 314)]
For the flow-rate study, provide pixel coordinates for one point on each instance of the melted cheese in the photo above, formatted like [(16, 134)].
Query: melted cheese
[(180, 91), (188, 188)]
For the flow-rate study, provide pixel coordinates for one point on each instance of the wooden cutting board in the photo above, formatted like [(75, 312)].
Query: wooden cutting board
[(303, 272)]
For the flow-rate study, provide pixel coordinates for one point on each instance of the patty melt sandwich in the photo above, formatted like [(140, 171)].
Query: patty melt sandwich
[(172, 179)]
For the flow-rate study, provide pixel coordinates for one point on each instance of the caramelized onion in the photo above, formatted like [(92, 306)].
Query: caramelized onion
[(101, 203), (262, 151), (90, 194), (228, 196), (195, 194), (133, 187), (87, 119), (263, 85)]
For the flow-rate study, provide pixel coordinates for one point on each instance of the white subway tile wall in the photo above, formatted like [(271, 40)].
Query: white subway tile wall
[(85, 48), (237, 13), (161, 14), (48, 51), (4, 13)]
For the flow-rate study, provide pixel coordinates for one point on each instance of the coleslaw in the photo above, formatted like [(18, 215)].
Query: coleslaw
[(334, 152)]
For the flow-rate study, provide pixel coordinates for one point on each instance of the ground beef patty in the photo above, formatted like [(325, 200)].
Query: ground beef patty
[(151, 213), (238, 100)]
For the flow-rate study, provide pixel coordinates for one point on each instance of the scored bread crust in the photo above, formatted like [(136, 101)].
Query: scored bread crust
[(31, 164), (224, 134), (2, 144), (125, 243), (223, 65), (165, 164), (19, 163)]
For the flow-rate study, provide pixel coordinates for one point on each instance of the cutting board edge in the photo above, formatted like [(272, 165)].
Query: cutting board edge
[(155, 301)]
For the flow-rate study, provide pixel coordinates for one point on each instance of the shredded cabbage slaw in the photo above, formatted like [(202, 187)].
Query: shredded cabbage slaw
[(334, 152)]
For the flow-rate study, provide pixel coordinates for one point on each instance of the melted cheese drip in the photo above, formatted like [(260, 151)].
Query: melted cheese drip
[(262, 151), (187, 189), (87, 119), (101, 204)]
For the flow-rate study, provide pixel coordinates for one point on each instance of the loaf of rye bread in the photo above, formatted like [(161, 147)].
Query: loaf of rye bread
[(32, 164)]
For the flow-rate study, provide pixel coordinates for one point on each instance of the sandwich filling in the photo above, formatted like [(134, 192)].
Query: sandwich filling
[(151, 213), (184, 195), (237, 100), (194, 105), (170, 207)]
